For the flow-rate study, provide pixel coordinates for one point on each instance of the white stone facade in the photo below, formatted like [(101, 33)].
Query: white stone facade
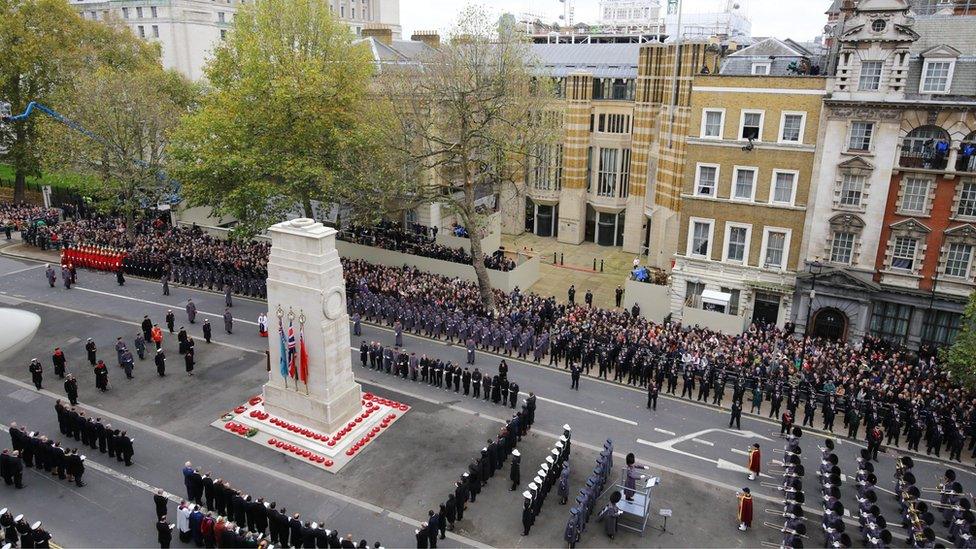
[(188, 30)]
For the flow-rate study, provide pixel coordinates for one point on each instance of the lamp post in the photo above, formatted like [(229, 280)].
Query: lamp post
[(814, 268)]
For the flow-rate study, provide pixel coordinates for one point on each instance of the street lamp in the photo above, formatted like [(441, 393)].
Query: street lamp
[(815, 268)]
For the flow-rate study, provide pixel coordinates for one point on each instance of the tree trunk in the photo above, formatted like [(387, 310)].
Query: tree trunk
[(20, 186), (307, 206), (477, 254)]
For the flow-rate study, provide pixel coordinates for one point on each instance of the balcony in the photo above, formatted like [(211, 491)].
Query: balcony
[(966, 161), (923, 160)]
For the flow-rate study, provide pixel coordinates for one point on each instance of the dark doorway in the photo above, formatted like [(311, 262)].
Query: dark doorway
[(544, 220), (766, 310), (529, 216), (830, 323)]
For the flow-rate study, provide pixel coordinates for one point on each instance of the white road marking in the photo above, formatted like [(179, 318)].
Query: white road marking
[(662, 431), (587, 410), (668, 445), (245, 463), (738, 451), (158, 304), (705, 442), (25, 269)]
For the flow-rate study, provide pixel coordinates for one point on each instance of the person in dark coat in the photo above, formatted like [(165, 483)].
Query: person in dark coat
[(91, 350), (37, 373), (71, 389), (188, 359), (59, 362), (450, 512), (295, 530), (101, 376), (191, 312), (515, 474), (119, 277), (207, 330), (164, 532), (228, 321), (160, 361), (160, 501)]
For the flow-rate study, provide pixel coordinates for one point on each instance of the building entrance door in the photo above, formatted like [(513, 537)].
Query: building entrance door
[(766, 308), (830, 323)]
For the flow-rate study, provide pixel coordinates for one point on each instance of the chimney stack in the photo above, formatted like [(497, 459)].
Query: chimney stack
[(379, 33), (431, 38)]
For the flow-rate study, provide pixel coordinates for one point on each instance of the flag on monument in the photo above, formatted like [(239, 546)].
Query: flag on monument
[(283, 356), (292, 370), (303, 356)]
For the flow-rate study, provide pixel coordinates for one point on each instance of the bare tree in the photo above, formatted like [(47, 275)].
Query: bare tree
[(467, 119)]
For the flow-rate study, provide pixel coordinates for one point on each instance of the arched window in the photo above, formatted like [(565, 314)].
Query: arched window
[(967, 154), (925, 147)]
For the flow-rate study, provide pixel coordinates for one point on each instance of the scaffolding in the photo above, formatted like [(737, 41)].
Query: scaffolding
[(943, 7)]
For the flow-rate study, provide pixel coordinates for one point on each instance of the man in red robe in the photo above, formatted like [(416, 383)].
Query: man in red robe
[(755, 459), (745, 509)]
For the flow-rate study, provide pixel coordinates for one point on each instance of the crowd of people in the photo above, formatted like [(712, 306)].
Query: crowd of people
[(877, 383), (217, 514), (35, 450), (416, 240)]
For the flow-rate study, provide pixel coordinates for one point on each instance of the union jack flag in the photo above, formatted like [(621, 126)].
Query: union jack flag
[(292, 371)]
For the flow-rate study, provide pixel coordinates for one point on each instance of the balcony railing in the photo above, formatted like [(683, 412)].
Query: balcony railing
[(923, 160)]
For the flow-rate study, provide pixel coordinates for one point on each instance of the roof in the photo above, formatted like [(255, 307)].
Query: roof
[(398, 51), (882, 5), (601, 60), (773, 47), (955, 31), (784, 57)]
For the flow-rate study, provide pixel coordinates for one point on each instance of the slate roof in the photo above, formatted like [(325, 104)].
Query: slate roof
[(601, 60)]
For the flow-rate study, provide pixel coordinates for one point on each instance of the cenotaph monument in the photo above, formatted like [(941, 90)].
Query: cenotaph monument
[(311, 407)]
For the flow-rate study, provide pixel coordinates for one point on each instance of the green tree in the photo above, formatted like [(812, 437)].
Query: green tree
[(44, 46), (960, 358), (469, 122), (286, 114), (132, 113)]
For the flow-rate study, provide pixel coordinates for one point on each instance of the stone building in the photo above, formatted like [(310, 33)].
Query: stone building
[(891, 236)]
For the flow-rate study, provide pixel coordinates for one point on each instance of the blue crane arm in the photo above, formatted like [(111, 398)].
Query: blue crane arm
[(34, 105)]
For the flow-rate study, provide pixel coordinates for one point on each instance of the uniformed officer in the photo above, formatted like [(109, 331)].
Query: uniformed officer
[(36, 372)]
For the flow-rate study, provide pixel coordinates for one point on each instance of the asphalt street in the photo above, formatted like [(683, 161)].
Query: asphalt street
[(683, 442)]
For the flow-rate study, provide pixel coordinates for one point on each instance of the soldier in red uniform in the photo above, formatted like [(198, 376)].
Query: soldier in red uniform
[(744, 514), (755, 460)]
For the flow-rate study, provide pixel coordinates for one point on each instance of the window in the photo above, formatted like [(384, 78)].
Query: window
[(915, 195), (870, 79), (221, 18), (223, 34), (141, 31), (614, 123), (967, 199), (903, 253), (139, 12), (959, 260), (775, 254), (784, 184), (734, 295), (125, 13), (589, 168), (607, 176), (851, 190), (745, 184), (761, 68), (693, 292), (940, 327), (842, 248), (548, 167), (878, 25), (701, 236), (712, 123), (155, 31), (751, 125), (154, 11), (707, 177), (792, 128), (936, 76), (737, 243), (861, 133), (624, 172), (890, 321)]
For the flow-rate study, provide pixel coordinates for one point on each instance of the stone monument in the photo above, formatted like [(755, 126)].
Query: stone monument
[(307, 292)]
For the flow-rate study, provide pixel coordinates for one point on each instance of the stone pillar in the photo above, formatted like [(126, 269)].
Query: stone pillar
[(572, 198), (305, 281)]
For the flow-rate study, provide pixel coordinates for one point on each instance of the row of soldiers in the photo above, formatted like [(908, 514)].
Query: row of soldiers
[(247, 281), (553, 471), (491, 459), (92, 432), (34, 450), (236, 519), (441, 374), (17, 532), (580, 513)]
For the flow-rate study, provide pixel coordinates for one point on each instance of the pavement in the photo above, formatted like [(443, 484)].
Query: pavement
[(385, 491)]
